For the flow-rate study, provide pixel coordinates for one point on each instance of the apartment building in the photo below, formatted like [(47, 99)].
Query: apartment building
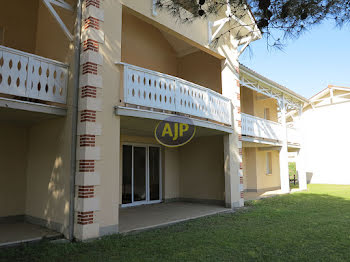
[(325, 134), (83, 84), (268, 133)]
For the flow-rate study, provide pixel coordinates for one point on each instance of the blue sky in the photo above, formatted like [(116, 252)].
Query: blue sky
[(308, 64)]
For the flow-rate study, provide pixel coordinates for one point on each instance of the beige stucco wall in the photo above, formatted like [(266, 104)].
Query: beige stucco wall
[(51, 42), (247, 101), (266, 182), (202, 69), (249, 168), (109, 141), (171, 173), (48, 171), (254, 170), (260, 105), (250, 104), (49, 141), (13, 161), (19, 18), (144, 45), (202, 169), (195, 33)]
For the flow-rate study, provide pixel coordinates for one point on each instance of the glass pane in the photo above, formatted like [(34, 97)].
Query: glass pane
[(154, 172), (139, 173), (127, 169)]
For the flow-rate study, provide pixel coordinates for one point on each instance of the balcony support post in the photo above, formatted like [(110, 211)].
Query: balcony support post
[(300, 164), (283, 156)]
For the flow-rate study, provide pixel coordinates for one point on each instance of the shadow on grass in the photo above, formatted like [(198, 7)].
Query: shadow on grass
[(297, 227)]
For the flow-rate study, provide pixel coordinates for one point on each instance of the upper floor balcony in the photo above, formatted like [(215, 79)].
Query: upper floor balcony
[(265, 104), (32, 77), (33, 38), (152, 91), (269, 131)]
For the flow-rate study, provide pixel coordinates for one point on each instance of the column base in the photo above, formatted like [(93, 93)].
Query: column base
[(85, 232), (237, 204)]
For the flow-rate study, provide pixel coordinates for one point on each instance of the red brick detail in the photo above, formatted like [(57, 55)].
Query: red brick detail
[(238, 110), (240, 151), (239, 137), (88, 116), (88, 91), (87, 140), (238, 96), (238, 83), (240, 165), (85, 218), (86, 191), (239, 123), (90, 45), (242, 194), (91, 22), (95, 3), (86, 165), (241, 180), (90, 68)]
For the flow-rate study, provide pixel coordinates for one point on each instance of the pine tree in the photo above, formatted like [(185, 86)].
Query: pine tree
[(273, 17)]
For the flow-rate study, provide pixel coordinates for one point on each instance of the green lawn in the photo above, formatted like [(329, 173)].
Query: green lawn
[(307, 226)]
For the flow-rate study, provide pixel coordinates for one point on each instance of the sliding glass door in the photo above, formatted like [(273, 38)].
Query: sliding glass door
[(141, 175)]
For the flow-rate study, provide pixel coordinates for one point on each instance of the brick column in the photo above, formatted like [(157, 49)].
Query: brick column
[(89, 127)]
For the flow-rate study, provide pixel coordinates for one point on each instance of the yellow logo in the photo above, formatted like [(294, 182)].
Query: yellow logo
[(175, 131)]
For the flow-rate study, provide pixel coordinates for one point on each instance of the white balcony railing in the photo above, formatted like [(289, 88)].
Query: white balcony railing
[(31, 76), (152, 89), (261, 128)]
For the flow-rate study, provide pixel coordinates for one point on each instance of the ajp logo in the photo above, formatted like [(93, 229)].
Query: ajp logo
[(175, 131)]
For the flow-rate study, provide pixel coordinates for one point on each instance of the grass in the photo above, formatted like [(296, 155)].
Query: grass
[(292, 186), (306, 226)]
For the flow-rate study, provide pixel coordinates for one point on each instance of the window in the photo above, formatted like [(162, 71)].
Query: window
[(268, 163), (2, 35), (267, 113)]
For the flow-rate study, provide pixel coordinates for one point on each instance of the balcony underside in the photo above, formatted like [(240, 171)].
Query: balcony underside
[(139, 122), (249, 141), (27, 113), (261, 142)]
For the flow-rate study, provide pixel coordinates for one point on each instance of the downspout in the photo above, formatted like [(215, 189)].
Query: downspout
[(75, 118)]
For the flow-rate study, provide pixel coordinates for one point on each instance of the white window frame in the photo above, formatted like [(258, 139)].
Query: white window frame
[(147, 201)]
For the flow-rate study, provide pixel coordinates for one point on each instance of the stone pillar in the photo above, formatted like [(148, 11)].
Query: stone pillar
[(283, 155), (232, 142), (89, 125)]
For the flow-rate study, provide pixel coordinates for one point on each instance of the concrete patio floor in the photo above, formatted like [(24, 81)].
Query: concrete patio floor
[(260, 195), (148, 216), (20, 232)]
